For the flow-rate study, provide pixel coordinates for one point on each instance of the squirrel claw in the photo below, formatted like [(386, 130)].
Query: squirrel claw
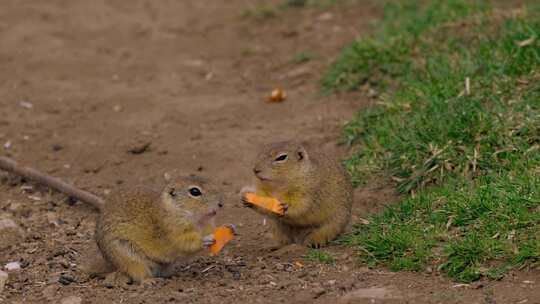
[(246, 203), (233, 228), (283, 208), (315, 246), (209, 240)]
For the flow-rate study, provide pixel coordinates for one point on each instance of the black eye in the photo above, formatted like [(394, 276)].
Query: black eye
[(172, 192), (281, 157), (194, 191)]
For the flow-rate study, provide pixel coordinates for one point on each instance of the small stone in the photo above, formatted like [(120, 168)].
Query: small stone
[(347, 284), (52, 219), (167, 176), (71, 300), (66, 279), (297, 73), (325, 16), (3, 279), (477, 285), (139, 147), (372, 93), (13, 266), (57, 147), (25, 104), (24, 263), (13, 207), (374, 293), (319, 291)]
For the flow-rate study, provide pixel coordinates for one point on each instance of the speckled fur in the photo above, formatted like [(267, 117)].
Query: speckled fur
[(314, 186), (142, 233)]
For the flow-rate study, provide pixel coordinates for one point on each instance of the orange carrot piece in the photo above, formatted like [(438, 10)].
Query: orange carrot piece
[(222, 235), (269, 203)]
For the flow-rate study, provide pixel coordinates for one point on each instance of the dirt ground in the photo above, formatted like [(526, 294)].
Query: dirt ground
[(82, 82)]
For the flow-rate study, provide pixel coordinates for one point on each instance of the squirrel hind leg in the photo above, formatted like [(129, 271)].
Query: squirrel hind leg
[(282, 235), (320, 236), (128, 261), (94, 264), (165, 271)]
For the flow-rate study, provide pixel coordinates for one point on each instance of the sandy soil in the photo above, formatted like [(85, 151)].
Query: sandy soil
[(82, 82)]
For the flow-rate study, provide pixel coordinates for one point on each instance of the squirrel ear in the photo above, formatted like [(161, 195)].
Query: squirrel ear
[(301, 153)]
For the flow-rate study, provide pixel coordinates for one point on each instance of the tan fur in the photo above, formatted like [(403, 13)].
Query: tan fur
[(314, 186), (142, 233)]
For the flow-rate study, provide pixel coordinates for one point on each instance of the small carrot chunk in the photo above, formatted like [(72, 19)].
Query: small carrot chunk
[(277, 95), (222, 235), (269, 203)]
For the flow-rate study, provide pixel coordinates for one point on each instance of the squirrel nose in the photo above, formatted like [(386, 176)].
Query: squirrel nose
[(256, 171)]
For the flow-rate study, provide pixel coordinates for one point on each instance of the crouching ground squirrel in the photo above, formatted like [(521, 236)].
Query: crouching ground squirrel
[(314, 190), (143, 233)]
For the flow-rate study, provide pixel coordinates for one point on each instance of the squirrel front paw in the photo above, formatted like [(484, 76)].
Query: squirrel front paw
[(243, 191), (208, 240), (282, 209), (233, 228)]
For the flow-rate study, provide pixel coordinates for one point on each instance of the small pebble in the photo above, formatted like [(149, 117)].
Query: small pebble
[(325, 17), (26, 104), (57, 147), (318, 291), (66, 279), (13, 266), (71, 300)]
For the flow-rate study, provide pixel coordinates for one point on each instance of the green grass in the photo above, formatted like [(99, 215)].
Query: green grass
[(467, 229), (476, 147), (302, 57), (260, 12), (320, 256)]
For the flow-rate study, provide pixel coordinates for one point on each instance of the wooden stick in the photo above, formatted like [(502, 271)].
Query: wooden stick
[(10, 165)]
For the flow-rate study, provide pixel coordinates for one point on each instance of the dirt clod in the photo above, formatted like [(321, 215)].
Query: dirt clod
[(139, 147), (71, 300), (10, 233)]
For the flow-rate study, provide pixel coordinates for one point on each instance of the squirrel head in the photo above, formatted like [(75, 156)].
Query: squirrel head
[(282, 163), (192, 197)]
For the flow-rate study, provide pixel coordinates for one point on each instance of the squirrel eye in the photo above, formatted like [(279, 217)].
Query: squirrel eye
[(281, 157), (194, 191), (172, 192)]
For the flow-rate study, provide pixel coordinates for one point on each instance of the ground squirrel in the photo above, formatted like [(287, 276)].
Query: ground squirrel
[(314, 189), (143, 233)]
